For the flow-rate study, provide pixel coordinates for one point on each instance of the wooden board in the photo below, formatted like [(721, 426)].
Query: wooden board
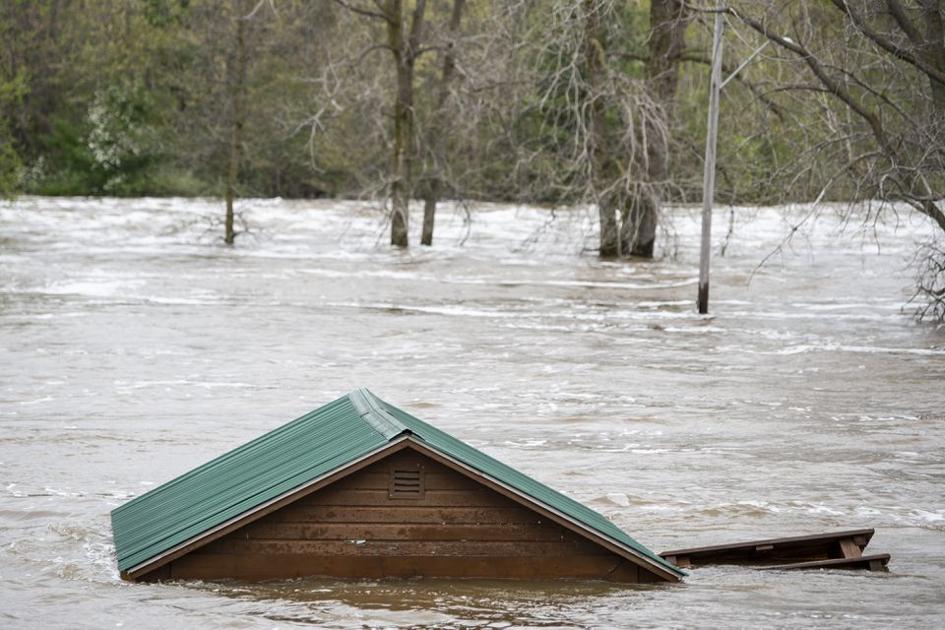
[(359, 527), (816, 547), (874, 562)]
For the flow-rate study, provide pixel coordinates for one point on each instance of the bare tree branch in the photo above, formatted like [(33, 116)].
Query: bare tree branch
[(378, 15), (889, 45)]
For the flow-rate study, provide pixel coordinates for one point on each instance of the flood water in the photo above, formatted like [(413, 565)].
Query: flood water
[(135, 346)]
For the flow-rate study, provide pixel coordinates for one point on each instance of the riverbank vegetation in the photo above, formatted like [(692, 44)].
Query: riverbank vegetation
[(547, 101)]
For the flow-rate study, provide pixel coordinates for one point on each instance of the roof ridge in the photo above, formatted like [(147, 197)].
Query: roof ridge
[(371, 411)]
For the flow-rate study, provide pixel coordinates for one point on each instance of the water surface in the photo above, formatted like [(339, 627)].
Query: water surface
[(134, 346)]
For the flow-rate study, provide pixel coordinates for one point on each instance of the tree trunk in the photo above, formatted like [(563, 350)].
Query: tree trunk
[(594, 67), (437, 133), (609, 243), (404, 48), (638, 220), (400, 162), (667, 39), (236, 78), (429, 210)]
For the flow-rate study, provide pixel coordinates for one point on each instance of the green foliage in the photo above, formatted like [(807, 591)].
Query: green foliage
[(10, 168), (12, 91), (139, 106), (165, 13)]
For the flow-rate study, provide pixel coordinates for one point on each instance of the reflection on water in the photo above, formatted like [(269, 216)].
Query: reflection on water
[(466, 603), (133, 346)]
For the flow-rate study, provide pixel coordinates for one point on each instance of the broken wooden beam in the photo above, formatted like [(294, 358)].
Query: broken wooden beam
[(874, 562), (844, 545)]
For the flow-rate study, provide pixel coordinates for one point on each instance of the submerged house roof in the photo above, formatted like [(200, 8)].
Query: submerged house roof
[(176, 516)]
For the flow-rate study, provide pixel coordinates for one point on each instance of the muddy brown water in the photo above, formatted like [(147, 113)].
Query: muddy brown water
[(133, 347)]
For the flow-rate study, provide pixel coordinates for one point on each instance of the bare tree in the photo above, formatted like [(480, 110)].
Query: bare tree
[(599, 117), (404, 42), (437, 133), (404, 33), (236, 91), (877, 136), (666, 43), (930, 281), (600, 159)]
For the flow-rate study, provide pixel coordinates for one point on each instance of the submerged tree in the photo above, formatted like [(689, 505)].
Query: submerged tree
[(597, 117), (438, 129), (236, 90), (665, 48), (600, 157), (404, 31), (403, 39)]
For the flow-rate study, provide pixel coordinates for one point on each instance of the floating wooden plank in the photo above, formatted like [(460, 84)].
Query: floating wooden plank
[(874, 562), (776, 551)]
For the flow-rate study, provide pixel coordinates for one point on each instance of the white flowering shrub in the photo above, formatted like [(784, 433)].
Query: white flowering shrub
[(119, 138)]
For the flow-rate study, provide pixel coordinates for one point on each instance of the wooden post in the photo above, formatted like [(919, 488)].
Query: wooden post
[(708, 178)]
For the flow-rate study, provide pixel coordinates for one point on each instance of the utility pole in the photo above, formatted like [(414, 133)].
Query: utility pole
[(708, 177)]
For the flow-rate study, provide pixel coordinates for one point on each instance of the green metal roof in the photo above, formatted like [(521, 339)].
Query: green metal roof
[(305, 449)]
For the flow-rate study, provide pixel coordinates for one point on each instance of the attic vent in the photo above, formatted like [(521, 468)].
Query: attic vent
[(406, 484)]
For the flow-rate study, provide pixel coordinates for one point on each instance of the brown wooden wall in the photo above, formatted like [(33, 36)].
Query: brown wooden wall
[(355, 528)]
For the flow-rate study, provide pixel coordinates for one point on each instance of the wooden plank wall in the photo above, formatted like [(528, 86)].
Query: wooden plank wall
[(353, 528)]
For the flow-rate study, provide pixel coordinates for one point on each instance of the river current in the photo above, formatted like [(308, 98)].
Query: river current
[(135, 346)]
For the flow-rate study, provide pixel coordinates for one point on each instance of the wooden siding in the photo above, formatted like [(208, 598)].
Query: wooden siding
[(359, 527)]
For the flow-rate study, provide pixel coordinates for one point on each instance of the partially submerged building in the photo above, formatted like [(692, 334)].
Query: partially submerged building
[(359, 488)]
